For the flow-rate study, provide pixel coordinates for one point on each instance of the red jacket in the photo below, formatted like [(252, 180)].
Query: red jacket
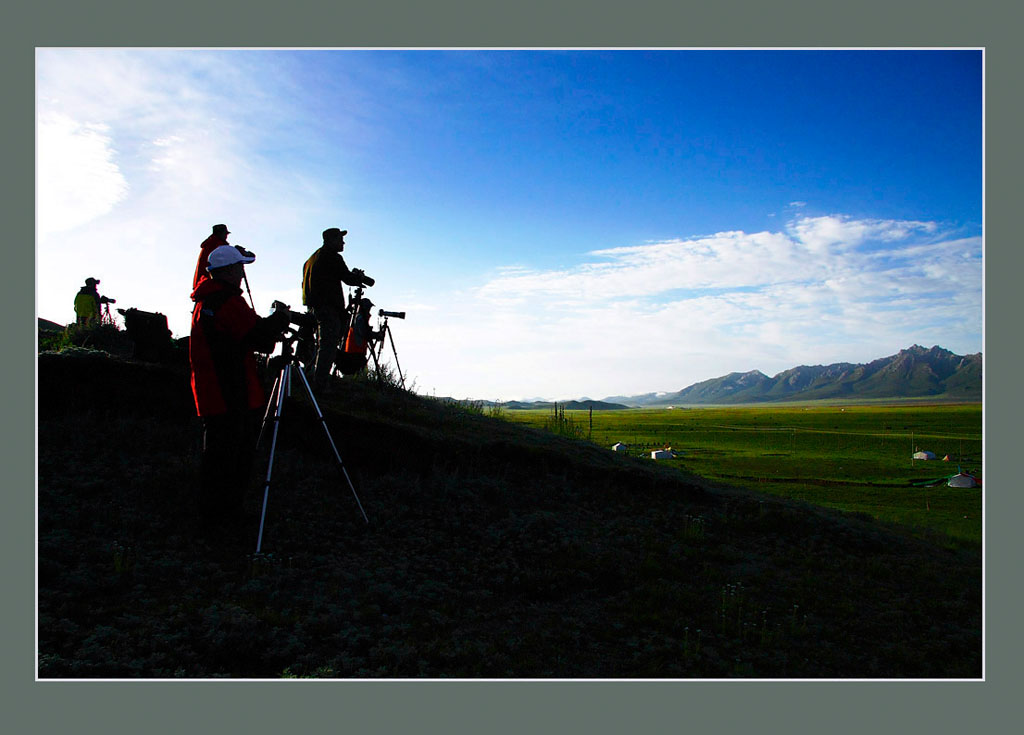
[(225, 331), (208, 246)]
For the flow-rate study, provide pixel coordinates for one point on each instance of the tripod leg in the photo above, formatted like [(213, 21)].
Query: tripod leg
[(273, 447), (380, 347), (270, 402), (323, 422), (376, 364), (395, 353)]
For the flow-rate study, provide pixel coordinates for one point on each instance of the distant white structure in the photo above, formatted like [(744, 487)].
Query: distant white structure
[(962, 480), (619, 447), (924, 455), (663, 454)]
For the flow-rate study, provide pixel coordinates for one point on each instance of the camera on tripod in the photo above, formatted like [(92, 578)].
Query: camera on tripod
[(302, 328), (298, 319), (395, 314)]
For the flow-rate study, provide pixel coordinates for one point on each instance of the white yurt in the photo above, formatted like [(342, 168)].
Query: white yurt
[(962, 480), (618, 447), (924, 455)]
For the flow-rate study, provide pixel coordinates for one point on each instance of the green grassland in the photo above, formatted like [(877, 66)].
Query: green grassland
[(854, 457)]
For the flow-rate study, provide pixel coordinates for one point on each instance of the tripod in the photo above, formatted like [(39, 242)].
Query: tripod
[(385, 329), (105, 317), (275, 408)]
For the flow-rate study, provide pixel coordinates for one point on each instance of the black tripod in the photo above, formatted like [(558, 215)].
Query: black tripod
[(275, 407), (385, 329)]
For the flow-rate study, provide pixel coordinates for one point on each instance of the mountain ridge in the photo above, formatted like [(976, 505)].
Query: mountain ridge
[(915, 372)]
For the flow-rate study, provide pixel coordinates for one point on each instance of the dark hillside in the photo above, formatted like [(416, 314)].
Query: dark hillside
[(493, 550)]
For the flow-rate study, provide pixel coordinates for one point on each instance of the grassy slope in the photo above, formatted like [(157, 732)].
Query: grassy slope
[(494, 550)]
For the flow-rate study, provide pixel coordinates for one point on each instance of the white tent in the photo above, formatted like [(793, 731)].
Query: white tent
[(924, 455), (962, 480), (618, 447), (663, 454)]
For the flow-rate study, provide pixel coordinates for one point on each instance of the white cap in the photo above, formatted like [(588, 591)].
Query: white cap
[(227, 255)]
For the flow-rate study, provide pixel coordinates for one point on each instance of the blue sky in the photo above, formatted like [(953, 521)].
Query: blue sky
[(556, 224)]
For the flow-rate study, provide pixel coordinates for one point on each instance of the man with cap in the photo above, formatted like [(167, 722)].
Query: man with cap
[(225, 334), (87, 302), (217, 238), (322, 292)]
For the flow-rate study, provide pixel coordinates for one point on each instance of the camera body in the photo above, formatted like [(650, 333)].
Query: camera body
[(365, 279), (302, 328), (298, 319)]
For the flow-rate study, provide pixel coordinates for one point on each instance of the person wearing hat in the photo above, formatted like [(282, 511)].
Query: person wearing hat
[(217, 238), (323, 294), (226, 332), (358, 339), (87, 303)]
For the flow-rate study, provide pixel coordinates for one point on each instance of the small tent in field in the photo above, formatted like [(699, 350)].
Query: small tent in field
[(663, 454), (962, 479), (924, 455), (618, 447)]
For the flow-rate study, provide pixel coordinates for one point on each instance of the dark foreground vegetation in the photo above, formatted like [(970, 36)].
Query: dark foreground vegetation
[(493, 550)]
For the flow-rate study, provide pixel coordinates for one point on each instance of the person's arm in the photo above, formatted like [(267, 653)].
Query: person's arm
[(266, 332), (353, 277), (245, 326)]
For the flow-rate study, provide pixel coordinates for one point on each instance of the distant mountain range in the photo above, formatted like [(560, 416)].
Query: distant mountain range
[(915, 372)]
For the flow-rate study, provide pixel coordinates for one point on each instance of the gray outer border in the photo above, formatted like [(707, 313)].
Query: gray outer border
[(839, 707)]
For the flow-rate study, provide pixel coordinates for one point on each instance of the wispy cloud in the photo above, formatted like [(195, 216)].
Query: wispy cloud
[(663, 315), (78, 179)]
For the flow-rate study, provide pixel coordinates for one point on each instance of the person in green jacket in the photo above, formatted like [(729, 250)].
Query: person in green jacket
[(88, 301)]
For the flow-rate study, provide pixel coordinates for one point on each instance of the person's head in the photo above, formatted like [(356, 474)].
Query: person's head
[(335, 238), (365, 305), (221, 231), (227, 263), (92, 282)]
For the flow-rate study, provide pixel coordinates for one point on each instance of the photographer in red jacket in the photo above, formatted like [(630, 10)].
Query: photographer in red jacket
[(217, 238), (225, 334)]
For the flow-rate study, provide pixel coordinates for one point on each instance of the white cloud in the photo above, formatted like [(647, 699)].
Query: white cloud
[(78, 177), (821, 234), (665, 315)]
